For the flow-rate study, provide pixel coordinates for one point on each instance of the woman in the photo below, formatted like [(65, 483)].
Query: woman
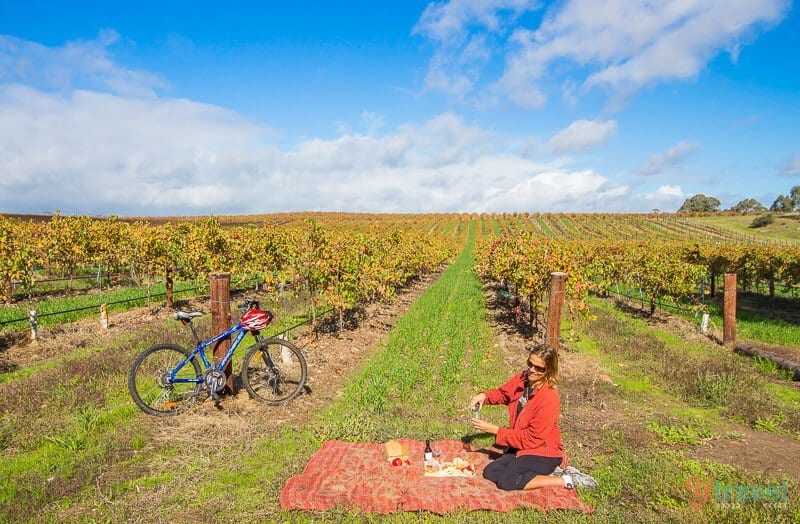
[(533, 438)]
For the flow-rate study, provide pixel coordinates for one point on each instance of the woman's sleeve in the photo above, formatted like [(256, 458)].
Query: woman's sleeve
[(532, 435), (501, 395)]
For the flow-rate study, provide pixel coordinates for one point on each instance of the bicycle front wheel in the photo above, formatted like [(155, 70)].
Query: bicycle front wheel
[(274, 371), (150, 385)]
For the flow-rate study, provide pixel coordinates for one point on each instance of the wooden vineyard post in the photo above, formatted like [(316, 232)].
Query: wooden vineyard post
[(558, 282), (103, 316), (8, 288), (221, 320), (33, 321), (169, 285), (729, 317)]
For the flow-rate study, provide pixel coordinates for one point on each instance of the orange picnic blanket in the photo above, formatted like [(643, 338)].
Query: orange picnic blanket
[(356, 477)]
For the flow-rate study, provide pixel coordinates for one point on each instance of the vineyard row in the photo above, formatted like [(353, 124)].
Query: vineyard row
[(659, 267), (338, 267)]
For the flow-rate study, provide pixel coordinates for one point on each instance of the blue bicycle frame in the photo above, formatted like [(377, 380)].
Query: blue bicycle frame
[(200, 349)]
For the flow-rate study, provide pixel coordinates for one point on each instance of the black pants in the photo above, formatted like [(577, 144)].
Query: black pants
[(511, 472)]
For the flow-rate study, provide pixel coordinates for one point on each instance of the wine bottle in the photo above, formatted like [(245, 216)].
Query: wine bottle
[(428, 451)]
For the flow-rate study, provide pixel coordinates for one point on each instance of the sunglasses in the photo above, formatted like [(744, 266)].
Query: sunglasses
[(534, 367)]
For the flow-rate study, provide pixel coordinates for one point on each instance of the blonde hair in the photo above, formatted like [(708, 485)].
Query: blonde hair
[(549, 354)]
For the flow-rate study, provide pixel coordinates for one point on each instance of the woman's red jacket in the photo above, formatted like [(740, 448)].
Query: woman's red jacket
[(535, 431)]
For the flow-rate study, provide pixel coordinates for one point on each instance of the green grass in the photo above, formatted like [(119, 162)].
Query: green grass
[(702, 374), (652, 483), (680, 433), (88, 305), (569, 225), (545, 227), (418, 384), (769, 367), (111, 463), (655, 485), (787, 229), (62, 427), (118, 299), (758, 328), (496, 227), (750, 326)]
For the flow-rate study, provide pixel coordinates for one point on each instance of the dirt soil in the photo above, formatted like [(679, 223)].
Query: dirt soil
[(590, 403), (18, 351), (206, 429), (690, 331), (331, 355), (588, 394)]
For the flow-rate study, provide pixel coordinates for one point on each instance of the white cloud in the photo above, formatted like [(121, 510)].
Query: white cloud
[(77, 64), (569, 92), (103, 141), (90, 152), (677, 154), (561, 190), (662, 192), (450, 22), (665, 198), (460, 29), (630, 44), (621, 45), (446, 76), (791, 167), (582, 134), (476, 51), (372, 121)]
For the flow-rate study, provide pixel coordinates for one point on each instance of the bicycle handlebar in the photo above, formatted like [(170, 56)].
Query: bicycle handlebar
[(249, 304)]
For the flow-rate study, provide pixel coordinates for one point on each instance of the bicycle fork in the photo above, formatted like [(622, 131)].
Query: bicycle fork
[(273, 378)]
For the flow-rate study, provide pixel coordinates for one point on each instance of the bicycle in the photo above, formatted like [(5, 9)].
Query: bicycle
[(167, 379)]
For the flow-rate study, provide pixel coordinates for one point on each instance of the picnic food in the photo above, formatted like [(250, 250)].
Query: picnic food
[(459, 467), (394, 449)]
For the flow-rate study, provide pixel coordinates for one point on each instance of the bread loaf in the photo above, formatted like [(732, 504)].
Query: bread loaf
[(394, 449)]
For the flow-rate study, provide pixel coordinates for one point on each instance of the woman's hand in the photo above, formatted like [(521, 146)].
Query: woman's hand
[(478, 399), (481, 425), (484, 426)]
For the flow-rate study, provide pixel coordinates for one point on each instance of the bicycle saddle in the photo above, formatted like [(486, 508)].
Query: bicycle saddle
[(183, 315)]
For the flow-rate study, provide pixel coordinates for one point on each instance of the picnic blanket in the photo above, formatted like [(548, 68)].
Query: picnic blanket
[(356, 477)]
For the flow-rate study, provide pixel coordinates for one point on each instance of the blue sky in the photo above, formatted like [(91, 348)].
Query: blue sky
[(145, 108)]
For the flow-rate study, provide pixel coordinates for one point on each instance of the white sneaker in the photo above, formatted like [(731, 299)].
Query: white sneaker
[(579, 478), (568, 481)]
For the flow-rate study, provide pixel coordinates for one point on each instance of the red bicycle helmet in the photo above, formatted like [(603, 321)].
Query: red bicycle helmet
[(256, 319)]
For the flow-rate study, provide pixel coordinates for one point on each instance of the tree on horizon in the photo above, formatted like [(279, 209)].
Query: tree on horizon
[(748, 205), (700, 204)]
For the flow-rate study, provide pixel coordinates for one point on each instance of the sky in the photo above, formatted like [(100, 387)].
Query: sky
[(193, 108)]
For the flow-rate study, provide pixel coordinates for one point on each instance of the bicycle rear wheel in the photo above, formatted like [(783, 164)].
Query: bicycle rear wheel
[(274, 371), (150, 386)]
